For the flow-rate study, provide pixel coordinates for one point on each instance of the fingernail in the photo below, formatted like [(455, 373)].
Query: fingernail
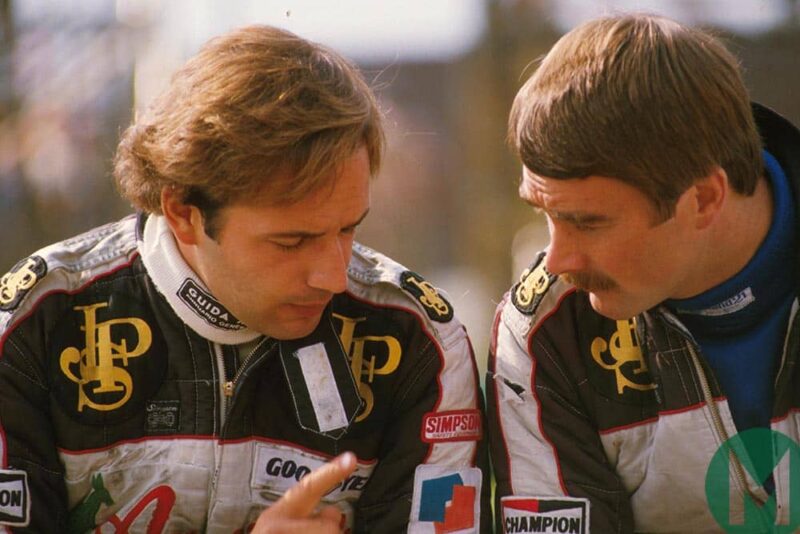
[(347, 460)]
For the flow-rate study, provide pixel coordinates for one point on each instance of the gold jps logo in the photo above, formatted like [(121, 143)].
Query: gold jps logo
[(14, 282), (430, 297), (366, 366), (532, 284), (624, 352), (95, 366)]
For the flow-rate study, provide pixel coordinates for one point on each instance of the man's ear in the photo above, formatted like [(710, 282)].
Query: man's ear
[(709, 194), (185, 220)]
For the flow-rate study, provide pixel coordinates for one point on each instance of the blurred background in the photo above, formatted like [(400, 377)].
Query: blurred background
[(74, 72)]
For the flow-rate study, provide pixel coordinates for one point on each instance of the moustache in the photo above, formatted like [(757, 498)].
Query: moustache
[(589, 281)]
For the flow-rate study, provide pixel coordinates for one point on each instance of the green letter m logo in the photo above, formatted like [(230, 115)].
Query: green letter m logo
[(762, 452)]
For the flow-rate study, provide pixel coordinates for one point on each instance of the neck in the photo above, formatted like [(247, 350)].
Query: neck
[(735, 236)]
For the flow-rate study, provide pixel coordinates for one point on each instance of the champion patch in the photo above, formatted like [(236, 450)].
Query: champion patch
[(207, 307), (15, 498), (457, 425), (445, 500), (436, 306), (532, 286), (545, 514), (16, 283)]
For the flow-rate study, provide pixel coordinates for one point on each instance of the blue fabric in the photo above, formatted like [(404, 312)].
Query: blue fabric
[(740, 324)]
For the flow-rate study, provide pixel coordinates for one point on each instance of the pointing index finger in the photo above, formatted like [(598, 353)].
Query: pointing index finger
[(302, 498)]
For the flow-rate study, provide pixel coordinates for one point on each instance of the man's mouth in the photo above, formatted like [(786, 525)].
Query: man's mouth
[(308, 309)]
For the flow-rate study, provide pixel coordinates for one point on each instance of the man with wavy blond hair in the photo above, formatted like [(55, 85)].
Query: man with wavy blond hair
[(643, 373), (229, 358)]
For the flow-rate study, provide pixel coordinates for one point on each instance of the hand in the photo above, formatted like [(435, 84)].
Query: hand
[(295, 511)]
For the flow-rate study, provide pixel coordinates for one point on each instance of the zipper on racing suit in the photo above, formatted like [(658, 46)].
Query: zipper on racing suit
[(229, 375), (713, 409)]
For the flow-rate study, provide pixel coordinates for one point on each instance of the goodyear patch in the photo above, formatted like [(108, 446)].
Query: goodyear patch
[(277, 468), (545, 514), (436, 306), (16, 283), (532, 285), (15, 498), (108, 360)]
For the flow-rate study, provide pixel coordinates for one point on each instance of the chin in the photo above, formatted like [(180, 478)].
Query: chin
[(294, 329), (605, 306)]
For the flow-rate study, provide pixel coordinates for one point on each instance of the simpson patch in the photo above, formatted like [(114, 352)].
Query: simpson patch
[(532, 286), (16, 283), (457, 425), (436, 306)]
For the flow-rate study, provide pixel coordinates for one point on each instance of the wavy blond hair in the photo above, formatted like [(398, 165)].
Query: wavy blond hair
[(252, 103)]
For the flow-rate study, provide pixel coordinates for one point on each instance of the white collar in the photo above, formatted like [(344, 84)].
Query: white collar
[(188, 296)]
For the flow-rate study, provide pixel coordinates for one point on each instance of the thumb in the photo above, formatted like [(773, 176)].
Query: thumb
[(301, 500)]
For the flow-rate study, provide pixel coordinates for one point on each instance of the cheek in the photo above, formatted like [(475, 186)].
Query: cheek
[(626, 257)]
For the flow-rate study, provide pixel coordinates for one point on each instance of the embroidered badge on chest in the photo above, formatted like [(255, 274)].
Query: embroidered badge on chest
[(374, 352), (619, 360), (108, 360)]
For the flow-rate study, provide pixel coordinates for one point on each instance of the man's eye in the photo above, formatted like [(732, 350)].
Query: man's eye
[(289, 245), (349, 230)]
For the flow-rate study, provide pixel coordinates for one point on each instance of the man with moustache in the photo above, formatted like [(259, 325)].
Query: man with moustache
[(660, 321), (200, 362)]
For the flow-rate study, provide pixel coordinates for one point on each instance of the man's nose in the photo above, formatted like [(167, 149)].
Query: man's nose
[(329, 271), (563, 252)]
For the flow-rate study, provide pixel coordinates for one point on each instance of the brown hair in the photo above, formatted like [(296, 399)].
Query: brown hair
[(642, 99), (253, 102)]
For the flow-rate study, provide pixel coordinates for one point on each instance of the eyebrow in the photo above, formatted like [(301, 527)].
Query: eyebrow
[(572, 217), (568, 216), (301, 233), (579, 218)]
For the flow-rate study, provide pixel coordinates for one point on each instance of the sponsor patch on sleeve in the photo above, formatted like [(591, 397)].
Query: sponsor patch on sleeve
[(15, 498), (435, 305), (16, 283), (545, 514), (456, 425), (532, 285), (445, 500)]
